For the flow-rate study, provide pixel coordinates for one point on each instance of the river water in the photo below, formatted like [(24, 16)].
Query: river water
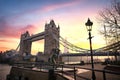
[(4, 70)]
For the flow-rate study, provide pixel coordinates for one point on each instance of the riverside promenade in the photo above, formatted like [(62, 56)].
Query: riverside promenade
[(5, 69), (99, 75)]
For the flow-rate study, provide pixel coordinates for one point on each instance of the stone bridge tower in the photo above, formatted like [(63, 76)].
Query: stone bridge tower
[(51, 37), (25, 45)]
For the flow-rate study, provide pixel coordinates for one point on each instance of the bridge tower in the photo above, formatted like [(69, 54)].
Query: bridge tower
[(51, 37), (25, 45)]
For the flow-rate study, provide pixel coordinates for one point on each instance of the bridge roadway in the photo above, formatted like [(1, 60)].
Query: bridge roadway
[(36, 37)]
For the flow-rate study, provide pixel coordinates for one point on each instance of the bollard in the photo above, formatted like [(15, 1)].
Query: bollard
[(52, 75), (8, 77), (104, 76), (74, 74)]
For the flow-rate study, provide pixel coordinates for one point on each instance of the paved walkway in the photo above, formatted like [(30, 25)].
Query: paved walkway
[(99, 75), (4, 70)]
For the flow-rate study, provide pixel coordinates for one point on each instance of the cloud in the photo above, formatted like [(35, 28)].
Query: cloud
[(30, 28), (10, 31), (46, 9), (4, 48), (4, 40), (58, 5)]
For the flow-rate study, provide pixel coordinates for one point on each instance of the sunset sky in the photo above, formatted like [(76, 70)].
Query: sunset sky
[(18, 16)]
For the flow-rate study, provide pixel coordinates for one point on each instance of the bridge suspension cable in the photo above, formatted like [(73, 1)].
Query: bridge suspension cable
[(69, 45), (17, 47), (114, 46)]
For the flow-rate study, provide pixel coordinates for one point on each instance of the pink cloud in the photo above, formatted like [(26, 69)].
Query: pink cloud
[(48, 8), (7, 30), (4, 40), (62, 5), (4, 48), (30, 28)]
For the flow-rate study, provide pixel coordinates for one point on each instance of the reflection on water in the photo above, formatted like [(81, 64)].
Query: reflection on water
[(4, 70)]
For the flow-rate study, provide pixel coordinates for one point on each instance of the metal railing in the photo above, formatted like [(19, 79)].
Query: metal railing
[(76, 76), (73, 72)]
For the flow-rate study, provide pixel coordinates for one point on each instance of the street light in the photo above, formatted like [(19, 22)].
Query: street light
[(89, 29)]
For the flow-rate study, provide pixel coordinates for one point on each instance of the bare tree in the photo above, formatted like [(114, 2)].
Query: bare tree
[(110, 17)]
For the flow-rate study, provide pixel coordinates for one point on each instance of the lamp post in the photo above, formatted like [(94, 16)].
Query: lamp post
[(89, 29)]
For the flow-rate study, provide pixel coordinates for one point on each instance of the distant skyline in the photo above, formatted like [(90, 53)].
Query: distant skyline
[(18, 16)]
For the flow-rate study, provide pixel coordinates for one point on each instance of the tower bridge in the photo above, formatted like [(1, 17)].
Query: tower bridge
[(52, 40)]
